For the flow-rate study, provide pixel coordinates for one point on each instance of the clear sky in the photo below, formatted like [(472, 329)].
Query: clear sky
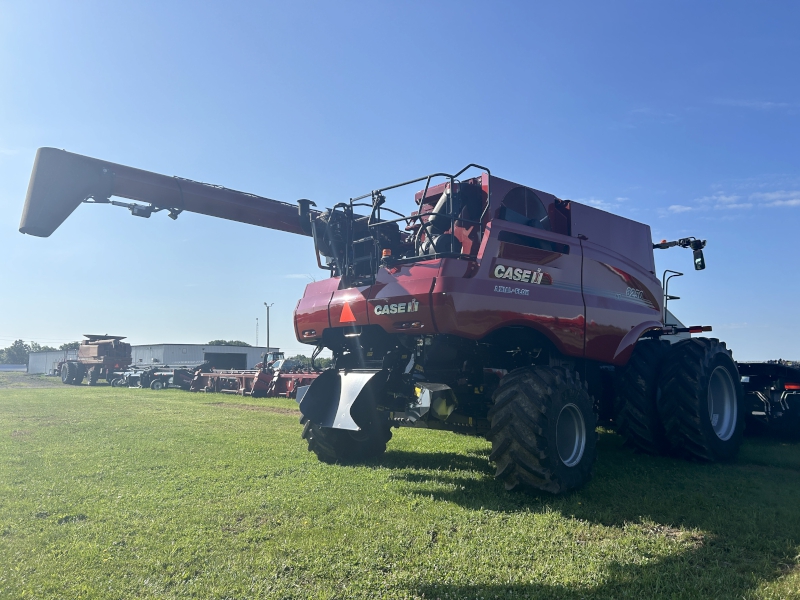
[(683, 115)]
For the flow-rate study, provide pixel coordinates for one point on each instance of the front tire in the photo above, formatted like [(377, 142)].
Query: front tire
[(339, 446), (156, 384), (702, 400), (67, 373), (543, 430)]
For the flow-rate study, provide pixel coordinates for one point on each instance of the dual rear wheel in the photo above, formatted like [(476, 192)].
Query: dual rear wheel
[(685, 399), (72, 373)]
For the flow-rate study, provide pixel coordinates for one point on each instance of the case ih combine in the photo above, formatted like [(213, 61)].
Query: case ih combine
[(98, 356), (492, 309)]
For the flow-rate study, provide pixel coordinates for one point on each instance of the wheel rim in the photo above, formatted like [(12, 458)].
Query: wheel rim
[(722, 408), (570, 435)]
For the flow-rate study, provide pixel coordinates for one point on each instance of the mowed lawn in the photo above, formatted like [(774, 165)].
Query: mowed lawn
[(117, 493)]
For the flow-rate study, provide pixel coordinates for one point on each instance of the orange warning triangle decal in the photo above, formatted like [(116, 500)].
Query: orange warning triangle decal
[(347, 314)]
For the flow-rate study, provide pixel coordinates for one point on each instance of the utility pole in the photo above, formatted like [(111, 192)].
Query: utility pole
[(256, 332), (268, 305)]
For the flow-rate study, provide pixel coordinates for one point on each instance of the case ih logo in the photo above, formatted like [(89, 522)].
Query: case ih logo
[(394, 309), (522, 275)]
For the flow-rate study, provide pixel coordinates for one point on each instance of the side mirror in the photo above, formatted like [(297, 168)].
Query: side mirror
[(699, 261)]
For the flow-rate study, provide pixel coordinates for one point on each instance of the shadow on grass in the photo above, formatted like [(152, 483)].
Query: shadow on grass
[(746, 515), (680, 576)]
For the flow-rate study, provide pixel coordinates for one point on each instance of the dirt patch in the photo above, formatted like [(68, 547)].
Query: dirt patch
[(18, 433), (272, 409), (693, 539)]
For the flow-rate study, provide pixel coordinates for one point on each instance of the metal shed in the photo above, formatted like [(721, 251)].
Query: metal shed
[(179, 355), (45, 362), (166, 355)]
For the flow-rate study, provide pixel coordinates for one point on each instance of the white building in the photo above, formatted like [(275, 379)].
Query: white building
[(180, 355), (165, 355)]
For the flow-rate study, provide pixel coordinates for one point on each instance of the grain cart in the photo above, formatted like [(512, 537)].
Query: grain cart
[(98, 356), (491, 308)]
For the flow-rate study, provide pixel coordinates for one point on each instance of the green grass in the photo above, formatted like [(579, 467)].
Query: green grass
[(116, 493)]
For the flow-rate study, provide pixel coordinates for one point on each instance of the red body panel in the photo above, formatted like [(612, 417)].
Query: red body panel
[(592, 292), (408, 288), (475, 306), (311, 313), (349, 307)]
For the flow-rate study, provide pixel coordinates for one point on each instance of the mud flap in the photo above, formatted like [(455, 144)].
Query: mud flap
[(329, 399)]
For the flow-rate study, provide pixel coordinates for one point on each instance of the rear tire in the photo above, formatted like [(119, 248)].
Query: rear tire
[(116, 382), (93, 376), (702, 400), (67, 373), (543, 430), (340, 446), (156, 384), (638, 419)]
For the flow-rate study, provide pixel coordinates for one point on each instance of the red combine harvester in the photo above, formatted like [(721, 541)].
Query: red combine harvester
[(98, 356), (492, 309)]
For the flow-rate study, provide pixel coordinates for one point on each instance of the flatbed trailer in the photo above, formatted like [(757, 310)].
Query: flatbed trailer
[(772, 396)]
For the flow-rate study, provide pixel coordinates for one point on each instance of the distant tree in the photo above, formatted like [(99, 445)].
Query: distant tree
[(228, 343), (300, 359), (37, 348), (16, 353), (320, 363), (324, 363), (69, 346)]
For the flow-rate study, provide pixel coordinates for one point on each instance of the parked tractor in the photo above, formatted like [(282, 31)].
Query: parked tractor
[(99, 356), (155, 378), (491, 308)]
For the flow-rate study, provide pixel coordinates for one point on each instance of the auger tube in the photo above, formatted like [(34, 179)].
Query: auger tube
[(61, 181)]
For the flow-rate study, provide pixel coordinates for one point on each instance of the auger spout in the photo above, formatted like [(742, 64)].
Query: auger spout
[(61, 180)]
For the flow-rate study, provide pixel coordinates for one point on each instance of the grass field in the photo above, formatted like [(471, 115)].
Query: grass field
[(117, 493)]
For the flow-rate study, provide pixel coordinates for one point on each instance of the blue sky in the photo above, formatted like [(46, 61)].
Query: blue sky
[(683, 115)]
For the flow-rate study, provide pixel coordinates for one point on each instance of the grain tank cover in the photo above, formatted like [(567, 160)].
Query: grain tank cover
[(627, 238)]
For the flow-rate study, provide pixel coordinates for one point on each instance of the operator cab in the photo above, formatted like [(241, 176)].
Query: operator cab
[(448, 223)]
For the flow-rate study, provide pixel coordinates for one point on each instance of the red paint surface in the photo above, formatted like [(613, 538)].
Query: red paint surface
[(596, 299)]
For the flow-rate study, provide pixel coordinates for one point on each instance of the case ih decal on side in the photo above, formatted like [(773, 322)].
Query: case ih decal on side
[(394, 309), (521, 275)]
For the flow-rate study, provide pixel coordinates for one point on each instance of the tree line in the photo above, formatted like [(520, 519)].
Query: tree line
[(17, 353)]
